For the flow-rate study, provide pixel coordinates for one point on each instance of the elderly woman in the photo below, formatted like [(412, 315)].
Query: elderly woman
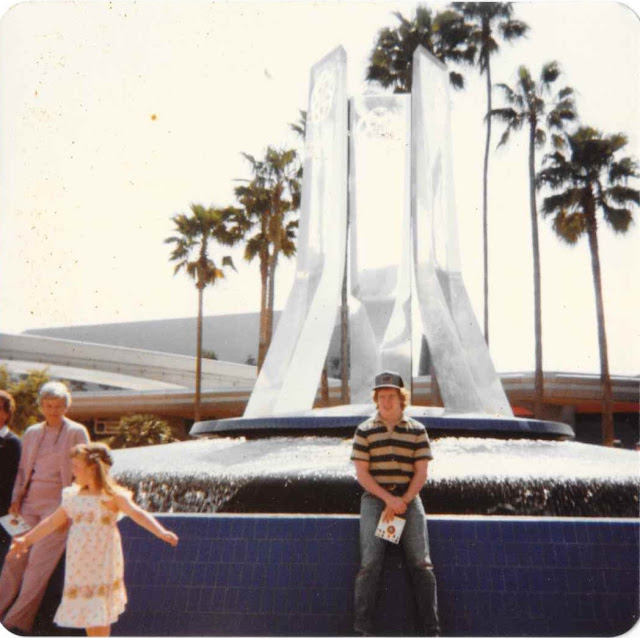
[(44, 469)]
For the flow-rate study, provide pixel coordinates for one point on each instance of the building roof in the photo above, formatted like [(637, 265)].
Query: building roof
[(153, 380)]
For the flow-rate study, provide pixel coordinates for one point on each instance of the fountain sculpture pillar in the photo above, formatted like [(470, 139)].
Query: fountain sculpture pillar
[(395, 179)]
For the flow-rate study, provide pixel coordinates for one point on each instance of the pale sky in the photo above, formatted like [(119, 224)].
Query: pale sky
[(114, 116)]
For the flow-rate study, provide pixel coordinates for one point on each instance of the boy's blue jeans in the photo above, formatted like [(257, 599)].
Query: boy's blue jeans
[(415, 544)]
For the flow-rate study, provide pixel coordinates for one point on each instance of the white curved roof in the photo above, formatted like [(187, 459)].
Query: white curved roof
[(106, 363), (84, 375)]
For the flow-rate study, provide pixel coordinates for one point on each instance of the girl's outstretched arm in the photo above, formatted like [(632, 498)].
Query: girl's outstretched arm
[(21, 544), (144, 519)]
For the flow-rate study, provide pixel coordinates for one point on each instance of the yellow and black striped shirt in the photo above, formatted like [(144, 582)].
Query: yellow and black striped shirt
[(391, 454)]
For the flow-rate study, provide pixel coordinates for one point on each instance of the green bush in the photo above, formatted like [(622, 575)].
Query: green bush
[(25, 393), (137, 430)]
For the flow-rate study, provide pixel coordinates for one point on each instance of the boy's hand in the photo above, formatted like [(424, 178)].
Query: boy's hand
[(396, 504), (387, 515), (171, 538)]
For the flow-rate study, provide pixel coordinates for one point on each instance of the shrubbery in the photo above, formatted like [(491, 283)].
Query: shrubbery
[(25, 393), (137, 430)]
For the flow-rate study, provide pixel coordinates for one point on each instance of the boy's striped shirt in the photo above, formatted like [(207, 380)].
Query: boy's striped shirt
[(391, 454)]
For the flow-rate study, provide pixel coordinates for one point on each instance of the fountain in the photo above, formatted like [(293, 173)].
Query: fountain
[(543, 533), (528, 537), (313, 475), (399, 162), (531, 533)]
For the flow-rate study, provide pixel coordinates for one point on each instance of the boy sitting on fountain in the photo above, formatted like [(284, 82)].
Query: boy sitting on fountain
[(391, 452)]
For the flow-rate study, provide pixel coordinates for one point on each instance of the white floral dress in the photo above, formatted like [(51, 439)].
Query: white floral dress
[(94, 594)]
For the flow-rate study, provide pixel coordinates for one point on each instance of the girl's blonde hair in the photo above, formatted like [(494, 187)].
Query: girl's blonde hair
[(403, 393), (98, 455)]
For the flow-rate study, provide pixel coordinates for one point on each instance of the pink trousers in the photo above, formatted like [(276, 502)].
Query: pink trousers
[(24, 580)]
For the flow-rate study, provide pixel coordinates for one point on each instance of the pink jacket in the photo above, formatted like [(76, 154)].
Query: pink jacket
[(72, 434)]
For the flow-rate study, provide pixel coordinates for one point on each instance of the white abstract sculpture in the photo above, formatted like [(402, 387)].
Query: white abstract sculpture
[(288, 381), (399, 174)]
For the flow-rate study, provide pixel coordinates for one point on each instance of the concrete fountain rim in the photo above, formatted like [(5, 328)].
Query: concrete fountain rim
[(343, 417)]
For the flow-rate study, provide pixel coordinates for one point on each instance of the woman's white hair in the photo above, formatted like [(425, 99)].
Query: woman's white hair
[(54, 390)]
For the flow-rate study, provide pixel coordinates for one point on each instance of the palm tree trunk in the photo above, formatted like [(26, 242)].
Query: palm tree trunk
[(324, 386), (608, 432), (538, 398), (262, 336), (196, 407), (344, 343), (485, 206), (270, 297)]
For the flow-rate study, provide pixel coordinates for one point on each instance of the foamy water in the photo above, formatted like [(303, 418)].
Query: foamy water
[(454, 458)]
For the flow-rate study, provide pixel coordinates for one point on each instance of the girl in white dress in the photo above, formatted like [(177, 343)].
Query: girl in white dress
[(94, 594)]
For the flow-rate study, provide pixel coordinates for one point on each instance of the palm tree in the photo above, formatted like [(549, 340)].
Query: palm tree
[(485, 20), (300, 127), (527, 106), (445, 35), (268, 200), (194, 233), (592, 178)]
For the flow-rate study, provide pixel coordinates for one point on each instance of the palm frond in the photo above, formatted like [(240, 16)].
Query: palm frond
[(565, 92), (569, 226), (178, 267), (225, 225), (507, 92), (192, 269), (566, 201), (179, 253), (618, 141), (227, 260), (504, 138), (507, 115), (250, 158), (255, 245), (592, 176), (560, 115), (456, 80), (623, 194), (540, 137), (555, 175), (550, 72), (619, 219), (445, 35), (558, 141), (623, 169), (513, 29), (524, 78), (300, 127)]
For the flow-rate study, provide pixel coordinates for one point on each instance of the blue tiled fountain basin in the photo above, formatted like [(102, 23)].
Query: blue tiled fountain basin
[(256, 575)]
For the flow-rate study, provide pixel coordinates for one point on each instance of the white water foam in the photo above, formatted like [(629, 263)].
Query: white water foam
[(454, 458)]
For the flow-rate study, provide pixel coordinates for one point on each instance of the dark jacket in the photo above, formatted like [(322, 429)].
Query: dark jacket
[(10, 447)]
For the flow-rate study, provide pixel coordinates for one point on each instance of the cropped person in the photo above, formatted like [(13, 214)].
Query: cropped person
[(391, 452), (94, 592), (44, 470), (9, 458)]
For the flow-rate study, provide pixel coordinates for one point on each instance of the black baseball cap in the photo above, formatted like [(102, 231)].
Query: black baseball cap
[(388, 380)]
